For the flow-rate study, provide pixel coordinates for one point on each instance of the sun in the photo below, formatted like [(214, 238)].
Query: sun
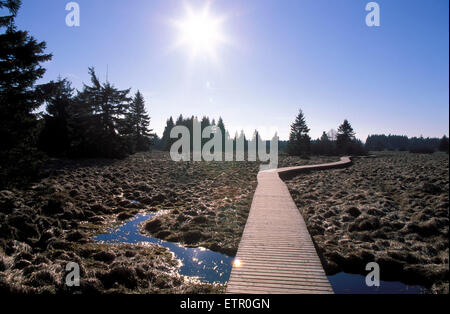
[(201, 32)]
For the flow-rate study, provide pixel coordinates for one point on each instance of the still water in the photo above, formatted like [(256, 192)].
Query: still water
[(209, 266), (206, 265), (344, 283)]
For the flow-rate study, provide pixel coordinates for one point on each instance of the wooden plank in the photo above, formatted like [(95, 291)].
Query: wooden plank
[(280, 288), (276, 252)]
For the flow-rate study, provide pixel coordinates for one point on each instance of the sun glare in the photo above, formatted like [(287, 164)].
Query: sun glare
[(201, 32)]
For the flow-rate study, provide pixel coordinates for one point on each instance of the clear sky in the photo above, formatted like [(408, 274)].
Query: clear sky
[(273, 57)]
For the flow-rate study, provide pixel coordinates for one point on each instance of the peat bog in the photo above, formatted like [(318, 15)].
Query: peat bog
[(392, 209)]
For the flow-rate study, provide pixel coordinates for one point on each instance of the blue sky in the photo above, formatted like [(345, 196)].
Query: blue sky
[(317, 55)]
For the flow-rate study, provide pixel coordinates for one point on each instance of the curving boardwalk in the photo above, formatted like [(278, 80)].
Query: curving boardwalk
[(276, 253)]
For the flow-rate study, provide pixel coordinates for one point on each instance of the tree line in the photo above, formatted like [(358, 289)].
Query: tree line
[(165, 143), (344, 142), (340, 142), (98, 121), (391, 142)]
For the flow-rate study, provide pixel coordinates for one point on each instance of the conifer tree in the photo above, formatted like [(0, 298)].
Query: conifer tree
[(12, 6), (139, 121), (20, 59), (166, 140), (108, 103), (180, 120), (54, 139), (221, 127), (299, 140), (256, 138), (99, 120), (204, 124), (345, 137)]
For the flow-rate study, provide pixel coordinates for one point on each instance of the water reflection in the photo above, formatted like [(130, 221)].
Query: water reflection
[(344, 283), (205, 264)]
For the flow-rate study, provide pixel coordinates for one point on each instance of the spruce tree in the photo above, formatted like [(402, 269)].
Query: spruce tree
[(221, 127), (139, 121), (204, 124), (345, 132), (99, 120), (54, 139), (345, 137), (180, 120), (299, 140), (20, 59), (12, 6), (108, 103), (166, 140)]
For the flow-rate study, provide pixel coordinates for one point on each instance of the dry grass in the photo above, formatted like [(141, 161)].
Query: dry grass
[(392, 209), (51, 223)]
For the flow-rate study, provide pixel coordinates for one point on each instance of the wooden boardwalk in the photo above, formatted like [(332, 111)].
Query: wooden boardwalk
[(276, 253)]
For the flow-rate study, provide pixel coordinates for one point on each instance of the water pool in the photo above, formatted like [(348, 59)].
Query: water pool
[(206, 265), (344, 283)]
